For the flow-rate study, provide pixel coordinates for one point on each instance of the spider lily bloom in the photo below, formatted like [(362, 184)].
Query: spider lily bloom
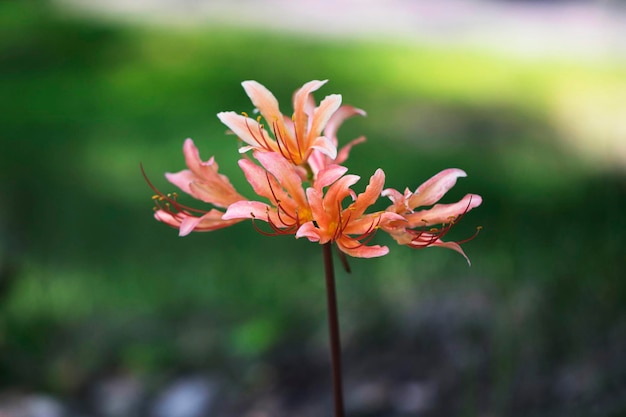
[(296, 137), (350, 228), (203, 182), (427, 227)]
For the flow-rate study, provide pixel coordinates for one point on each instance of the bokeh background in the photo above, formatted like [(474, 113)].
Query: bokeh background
[(105, 312)]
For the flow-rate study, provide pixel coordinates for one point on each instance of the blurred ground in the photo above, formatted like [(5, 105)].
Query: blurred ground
[(104, 312)]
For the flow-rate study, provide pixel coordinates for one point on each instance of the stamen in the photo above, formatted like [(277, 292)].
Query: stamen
[(423, 239), (171, 205), (282, 143), (263, 142)]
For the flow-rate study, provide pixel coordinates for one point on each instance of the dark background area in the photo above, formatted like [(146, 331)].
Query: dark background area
[(95, 294)]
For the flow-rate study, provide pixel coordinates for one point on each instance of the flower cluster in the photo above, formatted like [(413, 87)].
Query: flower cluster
[(306, 190)]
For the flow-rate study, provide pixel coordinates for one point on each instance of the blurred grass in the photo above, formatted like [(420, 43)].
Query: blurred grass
[(98, 282)]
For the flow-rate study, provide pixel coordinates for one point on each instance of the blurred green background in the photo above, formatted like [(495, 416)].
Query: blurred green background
[(92, 286)]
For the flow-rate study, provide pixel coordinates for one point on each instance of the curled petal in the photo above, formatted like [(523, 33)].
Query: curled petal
[(192, 158), (322, 114), (311, 232), (257, 211), (432, 190), (371, 193), (454, 246), (337, 192), (186, 223), (202, 180), (343, 113), (329, 175), (344, 152), (356, 249), (183, 180), (444, 213), (325, 146), (370, 222), (247, 210), (397, 198)]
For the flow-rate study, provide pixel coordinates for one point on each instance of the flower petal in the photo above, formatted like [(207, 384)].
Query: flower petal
[(186, 223), (354, 248), (336, 193), (285, 173), (329, 175), (182, 180), (370, 195), (322, 114), (264, 101), (344, 152), (311, 232), (338, 118), (432, 190), (325, 146), (444, 213), (248, 130), (300, 116), (247, 210), (454, 246), (257, 177)]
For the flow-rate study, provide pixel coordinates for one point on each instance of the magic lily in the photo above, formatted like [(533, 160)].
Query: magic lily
[(307, 193), (349, 228), (202, 181), (298, 137), (424, 228)]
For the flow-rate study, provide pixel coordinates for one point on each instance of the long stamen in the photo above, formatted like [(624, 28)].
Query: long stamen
[(258, 229), (478, 229), (282, 143), (288, 222), (263, 142), (170, 199), (424, 238), (368, 235), (279, 207)]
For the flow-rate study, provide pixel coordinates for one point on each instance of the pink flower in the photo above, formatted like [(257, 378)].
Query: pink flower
[(350, 228), (203, 182), (427, 227), (309, 130), (307, 192)]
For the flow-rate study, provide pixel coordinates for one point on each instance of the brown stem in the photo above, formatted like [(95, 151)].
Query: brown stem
[(333, 328)]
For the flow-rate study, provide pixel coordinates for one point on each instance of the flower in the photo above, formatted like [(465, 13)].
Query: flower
[(424, 228), (310, 129), (203, 182), (306, 189), (350, 228)]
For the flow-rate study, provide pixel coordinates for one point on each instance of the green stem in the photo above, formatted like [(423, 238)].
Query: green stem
[(333, 328)]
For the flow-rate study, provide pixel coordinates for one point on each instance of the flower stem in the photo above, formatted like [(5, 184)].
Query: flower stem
[(333, 328)]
